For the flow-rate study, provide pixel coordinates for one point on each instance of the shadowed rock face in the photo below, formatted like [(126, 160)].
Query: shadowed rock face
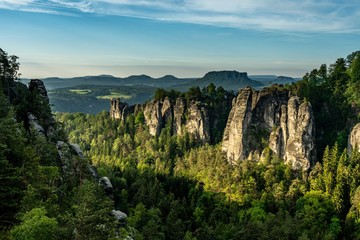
[(354, 139), (38, 85), (258, 118), (47, 129), (197, 122)]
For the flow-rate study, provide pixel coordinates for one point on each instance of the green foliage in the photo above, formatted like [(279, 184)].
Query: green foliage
[(316, 216), (35, 225), (333, 93), (8, 72), (173, 188), (91, 213)]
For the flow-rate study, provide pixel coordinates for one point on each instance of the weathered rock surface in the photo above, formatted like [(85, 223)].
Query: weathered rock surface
[(354, 139), (38, 85), (77, 150), (197, 122), (66, 158), (153, 117), (35, 125), (179, 115), (118, 215), (270, 117), (105, 183), (193, 118), (118, 109), (167, 111)]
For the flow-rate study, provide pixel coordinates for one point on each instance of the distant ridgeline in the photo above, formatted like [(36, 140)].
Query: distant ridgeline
[(90, 94)]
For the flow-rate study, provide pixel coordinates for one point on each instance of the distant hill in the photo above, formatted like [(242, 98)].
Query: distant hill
[(108, 80), (229, 80), (91, 94), (272, 79)]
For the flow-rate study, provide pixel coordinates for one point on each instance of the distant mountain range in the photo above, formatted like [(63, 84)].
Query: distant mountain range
[(91, 94), (230, 80), (108, 80)]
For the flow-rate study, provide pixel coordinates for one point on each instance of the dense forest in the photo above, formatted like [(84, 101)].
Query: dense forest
[(171, 186)]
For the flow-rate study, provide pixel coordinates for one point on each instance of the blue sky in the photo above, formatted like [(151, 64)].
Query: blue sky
[(185, 38)]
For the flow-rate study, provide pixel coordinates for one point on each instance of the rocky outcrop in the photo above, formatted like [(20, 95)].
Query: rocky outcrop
[(270, 118), (179, 115), (35, 125), (38, 85), (192, 118), (197, 122), (167, 111), (67, 161), (118, 109), (354, 139), (119, 216), (44, 116), (153, 117), (105, 183)]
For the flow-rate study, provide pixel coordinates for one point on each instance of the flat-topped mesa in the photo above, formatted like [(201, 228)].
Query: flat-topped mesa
[(226, 74), (270, 118)]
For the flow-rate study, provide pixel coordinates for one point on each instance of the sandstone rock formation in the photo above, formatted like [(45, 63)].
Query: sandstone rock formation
[(153, 117), (118, 109), (181, 117), (35, 125), (197, 122), (354, 139), (270, 117), (38, 85)]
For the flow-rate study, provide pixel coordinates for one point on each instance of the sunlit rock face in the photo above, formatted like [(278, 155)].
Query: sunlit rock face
[(270, 118), (153, 117), (192, 118), (354, 139), (118, 109)]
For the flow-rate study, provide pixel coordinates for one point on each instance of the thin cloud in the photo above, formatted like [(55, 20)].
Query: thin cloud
[(307, 16)]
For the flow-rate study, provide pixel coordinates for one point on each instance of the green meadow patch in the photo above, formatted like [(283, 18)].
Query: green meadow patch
[(114, 94), (80, 91)]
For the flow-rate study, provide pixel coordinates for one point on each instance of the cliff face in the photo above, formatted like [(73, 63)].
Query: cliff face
[(120, 110), (270, 117), (153, 117), (180, 116), (354, 139), (40, 118)]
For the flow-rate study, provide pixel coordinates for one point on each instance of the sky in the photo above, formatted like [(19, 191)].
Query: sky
[(185, 38)]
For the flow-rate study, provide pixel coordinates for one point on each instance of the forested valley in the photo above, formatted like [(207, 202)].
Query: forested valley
[(173, 186)]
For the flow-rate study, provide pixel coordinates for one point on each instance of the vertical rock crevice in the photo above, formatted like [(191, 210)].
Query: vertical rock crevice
[(283, 123)]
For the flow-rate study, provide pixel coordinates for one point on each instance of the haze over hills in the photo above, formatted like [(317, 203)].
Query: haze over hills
[(232, 80), (108, 80), (91, 94), (229, 80)]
